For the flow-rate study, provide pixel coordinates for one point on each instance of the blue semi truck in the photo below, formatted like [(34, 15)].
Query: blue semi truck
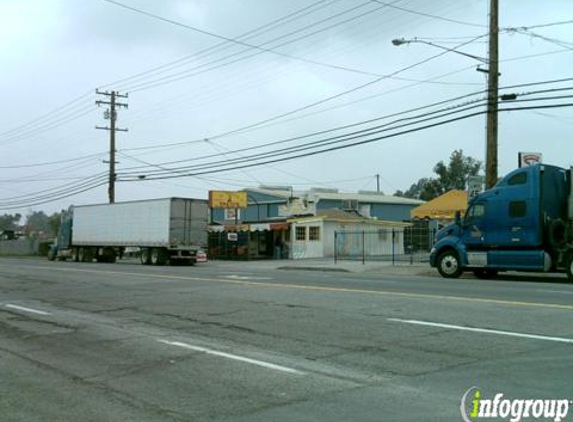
[(524, 223)]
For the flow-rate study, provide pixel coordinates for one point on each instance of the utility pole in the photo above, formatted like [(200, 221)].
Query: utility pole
[(492, 96), (378, 183), (111, 114)]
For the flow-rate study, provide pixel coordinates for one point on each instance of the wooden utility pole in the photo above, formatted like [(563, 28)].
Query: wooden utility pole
[(378, 183), (492, 96), (111, 114)]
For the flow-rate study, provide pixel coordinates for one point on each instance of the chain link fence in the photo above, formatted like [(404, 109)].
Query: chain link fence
[(398, 245)]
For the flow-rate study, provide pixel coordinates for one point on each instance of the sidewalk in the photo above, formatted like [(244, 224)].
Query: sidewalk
[(328, 265)]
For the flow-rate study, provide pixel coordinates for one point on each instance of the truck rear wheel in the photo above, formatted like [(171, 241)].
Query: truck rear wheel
[(145, 256), (449, 265), (158, 256)]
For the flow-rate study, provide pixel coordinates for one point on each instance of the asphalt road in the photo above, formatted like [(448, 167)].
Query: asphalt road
[(242, 342)]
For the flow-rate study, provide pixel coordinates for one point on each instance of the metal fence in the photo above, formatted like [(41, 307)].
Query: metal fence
[(403, 245)]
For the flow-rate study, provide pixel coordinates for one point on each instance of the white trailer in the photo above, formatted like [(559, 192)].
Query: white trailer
[(165, 230)]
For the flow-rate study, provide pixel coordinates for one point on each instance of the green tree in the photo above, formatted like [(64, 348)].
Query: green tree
[(10, 221), (54, 223), (37, 222), (454, 175)]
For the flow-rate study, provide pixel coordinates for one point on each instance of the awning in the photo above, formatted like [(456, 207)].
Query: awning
[(259, 227), (443, 207), (279, 226)]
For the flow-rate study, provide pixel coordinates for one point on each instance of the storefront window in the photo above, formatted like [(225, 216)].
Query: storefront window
[(300, 233), (314, 233)]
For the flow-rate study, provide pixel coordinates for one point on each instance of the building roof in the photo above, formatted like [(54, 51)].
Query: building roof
[(443, 207), (347, 217), (373, 198)]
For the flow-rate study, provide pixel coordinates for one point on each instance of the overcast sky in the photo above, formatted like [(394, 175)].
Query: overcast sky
[(53, 52)]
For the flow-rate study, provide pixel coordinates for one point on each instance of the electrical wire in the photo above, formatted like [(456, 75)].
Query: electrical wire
[(363, 142), (441, 113), (43, 117), (305, 11), (428, 15), (50, 163), (227, 39)]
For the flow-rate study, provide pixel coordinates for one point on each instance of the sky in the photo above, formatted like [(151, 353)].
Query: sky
[(188, 87)]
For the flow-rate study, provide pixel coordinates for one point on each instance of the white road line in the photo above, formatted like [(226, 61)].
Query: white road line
[(482, 330), (21, 308), (230, 356), (240, 277), (561, 292)]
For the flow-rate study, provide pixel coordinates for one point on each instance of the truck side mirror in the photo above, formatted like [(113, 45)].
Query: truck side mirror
[(458, 218)]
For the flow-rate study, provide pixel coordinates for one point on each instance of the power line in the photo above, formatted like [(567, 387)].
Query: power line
[(305, 11), (457, 98), (340, 94), (186, 73), (428, 15), (361, 133), (47, 126), (50, 163), (227, 39), (338, 147), (543, 25), (45, 116), (560, 43)]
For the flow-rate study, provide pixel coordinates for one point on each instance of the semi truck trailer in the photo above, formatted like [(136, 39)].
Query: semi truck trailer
[(524, 223), (164, 230)]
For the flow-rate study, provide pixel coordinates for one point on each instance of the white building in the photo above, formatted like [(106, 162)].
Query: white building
[(314, 236)]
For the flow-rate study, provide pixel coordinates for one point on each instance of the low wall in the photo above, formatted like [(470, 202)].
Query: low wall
[(19, 247)]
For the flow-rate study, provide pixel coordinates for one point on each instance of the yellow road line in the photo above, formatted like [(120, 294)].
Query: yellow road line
[(320, 288)]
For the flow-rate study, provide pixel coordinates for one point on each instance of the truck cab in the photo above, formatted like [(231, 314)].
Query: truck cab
[(521, 224)]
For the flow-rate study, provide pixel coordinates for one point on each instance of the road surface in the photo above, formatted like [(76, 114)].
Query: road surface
[(243, 342)]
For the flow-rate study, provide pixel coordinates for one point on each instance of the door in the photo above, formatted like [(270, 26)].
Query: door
[(474, 226)]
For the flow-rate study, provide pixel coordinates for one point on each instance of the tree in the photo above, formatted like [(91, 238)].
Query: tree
[(452, 176), (10, 221), (37, 222), (54, 223)]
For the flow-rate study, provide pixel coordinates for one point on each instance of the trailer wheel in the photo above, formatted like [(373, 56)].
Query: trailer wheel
[(145, 256), (82, 255), (158, 256), (569, 267), (449, 264), (75, 255)]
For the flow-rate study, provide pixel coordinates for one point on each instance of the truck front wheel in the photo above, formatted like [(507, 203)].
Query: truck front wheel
[(449, 264)]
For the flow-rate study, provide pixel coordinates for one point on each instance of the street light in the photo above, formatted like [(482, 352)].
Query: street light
[(492, 99), (401, 41)]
